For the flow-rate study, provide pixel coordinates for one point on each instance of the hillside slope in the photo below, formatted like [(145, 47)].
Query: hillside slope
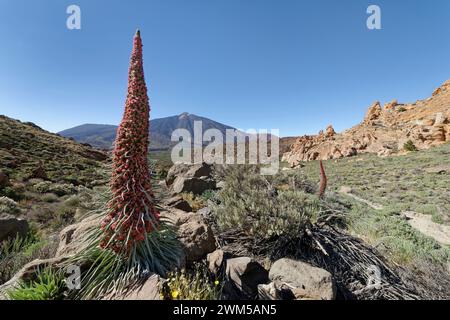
[(46, 183), (24, 147), (384, 131)]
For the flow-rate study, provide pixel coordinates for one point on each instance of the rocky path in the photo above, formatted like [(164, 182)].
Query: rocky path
[(424, 224), (419, 221)]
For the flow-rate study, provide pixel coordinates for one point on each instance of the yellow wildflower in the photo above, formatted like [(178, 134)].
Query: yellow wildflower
[(175, 294)]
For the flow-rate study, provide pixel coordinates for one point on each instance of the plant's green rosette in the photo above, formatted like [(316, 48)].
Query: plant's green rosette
[(110, 273)]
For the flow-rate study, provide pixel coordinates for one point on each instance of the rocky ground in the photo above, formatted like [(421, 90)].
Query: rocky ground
[(329, 259), (379, 232)]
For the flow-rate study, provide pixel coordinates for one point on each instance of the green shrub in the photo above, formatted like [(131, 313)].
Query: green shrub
[(72, 201), (409, 146), (49, 197), (12, 193), (208, 195), (63, 217), (56, 188), (15, 253), (264, 206), (8, 205), (49, 285)]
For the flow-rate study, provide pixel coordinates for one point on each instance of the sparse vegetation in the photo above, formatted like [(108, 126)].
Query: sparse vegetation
[(56, 188), (417, 181), (194, 284), (394, 236), (265, 206), (49, 285), (409, 146), (15, 253)]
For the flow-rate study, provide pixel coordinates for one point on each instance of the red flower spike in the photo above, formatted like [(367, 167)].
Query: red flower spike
[(130, 182)]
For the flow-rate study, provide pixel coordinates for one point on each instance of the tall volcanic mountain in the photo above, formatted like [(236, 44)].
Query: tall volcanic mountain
[(103, 136)]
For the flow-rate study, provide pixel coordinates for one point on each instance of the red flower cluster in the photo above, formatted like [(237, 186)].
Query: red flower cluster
[(132, 213)]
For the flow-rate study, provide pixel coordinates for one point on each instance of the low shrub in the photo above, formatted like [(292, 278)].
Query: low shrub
[(409, 146), (72, 201), (64, 216), (56, 188), (12, 193), (265, 206), (49, 285), (8, 205), (49, 197)]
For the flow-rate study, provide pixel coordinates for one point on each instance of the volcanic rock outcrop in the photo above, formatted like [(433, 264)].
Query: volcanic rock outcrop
[(384, 131)]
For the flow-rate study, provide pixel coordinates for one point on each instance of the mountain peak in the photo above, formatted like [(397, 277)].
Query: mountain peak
[(184, 115)]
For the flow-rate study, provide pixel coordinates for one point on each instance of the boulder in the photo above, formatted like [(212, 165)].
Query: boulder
[(199, 170), (204, 212), (274, 291), (194, 185), (268, 292), (196, 237), (72, 238), (390, 105), (243, 277), (175, 216), (306, 282), (179, 203), (195, 178), (215, 261), (11, 227), (147, 290), (175, 171)]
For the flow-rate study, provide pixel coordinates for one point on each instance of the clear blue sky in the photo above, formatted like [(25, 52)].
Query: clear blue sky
[(293, 65)]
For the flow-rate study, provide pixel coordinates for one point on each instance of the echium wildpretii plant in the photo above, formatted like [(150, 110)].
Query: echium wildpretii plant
[(132, 212), (132, 241)]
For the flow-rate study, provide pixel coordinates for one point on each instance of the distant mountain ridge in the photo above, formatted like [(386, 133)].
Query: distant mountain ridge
[(103, 135)]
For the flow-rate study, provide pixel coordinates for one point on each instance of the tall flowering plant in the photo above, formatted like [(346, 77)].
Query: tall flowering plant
[(132, 212), (132, 241)]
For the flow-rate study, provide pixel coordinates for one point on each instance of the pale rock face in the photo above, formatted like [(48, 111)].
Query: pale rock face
[(305, 281), (330, 131), (374, 112), (383, 131), (390, 106)]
